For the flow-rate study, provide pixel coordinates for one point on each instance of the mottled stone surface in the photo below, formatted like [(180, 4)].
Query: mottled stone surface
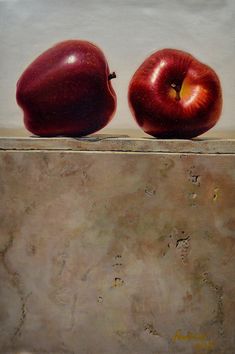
[(115, 252)]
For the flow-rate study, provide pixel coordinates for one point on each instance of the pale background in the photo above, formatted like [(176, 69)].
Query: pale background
[(127, 31)]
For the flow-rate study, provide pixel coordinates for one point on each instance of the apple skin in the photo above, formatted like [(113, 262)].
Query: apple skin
[(173, 95), (67, 91)]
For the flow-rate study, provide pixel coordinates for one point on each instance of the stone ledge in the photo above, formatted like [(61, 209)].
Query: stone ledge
[(120, 143)]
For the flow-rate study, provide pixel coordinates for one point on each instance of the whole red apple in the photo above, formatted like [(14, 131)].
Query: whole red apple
[(67, 91), (173, 95)]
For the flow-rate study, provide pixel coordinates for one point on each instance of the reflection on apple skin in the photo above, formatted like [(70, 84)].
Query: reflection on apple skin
[(67, 91), (173, 95)]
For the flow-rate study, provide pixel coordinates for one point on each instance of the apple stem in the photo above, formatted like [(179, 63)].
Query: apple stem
[(177, 89), (177, 97), (112, 76)]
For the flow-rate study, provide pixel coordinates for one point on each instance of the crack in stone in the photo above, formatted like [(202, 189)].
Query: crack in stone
[(181, 240), (149, 328), (219, 317), (7, 246), (22, 318), (73, 311), (220, 307), (15, 282)]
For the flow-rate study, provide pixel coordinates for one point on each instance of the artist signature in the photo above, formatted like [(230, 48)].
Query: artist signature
[(200, 340)]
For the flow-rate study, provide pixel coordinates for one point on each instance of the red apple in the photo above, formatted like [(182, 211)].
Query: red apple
[(67, 91), (173, 95)]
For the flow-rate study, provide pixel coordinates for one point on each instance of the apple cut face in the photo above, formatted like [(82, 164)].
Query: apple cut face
[(67, 91), (173, 95)]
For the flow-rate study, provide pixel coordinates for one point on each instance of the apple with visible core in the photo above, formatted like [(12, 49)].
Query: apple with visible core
[(173, 95), (67, 91)]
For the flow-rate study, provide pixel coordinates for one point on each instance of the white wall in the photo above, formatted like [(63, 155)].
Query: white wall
[(127, 31)]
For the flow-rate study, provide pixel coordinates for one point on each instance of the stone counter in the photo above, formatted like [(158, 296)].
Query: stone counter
[(117, 245)]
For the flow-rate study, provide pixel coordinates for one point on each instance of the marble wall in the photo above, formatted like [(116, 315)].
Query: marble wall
[(116, 252)]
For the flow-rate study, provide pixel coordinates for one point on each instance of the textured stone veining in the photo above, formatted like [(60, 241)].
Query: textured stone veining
[(117, 253)]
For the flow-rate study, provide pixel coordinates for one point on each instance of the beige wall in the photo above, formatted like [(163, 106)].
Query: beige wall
[(127, 31)]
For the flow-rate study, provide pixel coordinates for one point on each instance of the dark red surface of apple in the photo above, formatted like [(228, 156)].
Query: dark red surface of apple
[(67, 91), (173, 95)]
